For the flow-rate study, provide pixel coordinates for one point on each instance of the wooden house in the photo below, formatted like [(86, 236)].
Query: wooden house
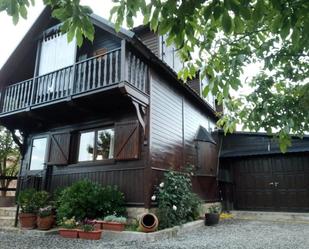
[(112, 111)]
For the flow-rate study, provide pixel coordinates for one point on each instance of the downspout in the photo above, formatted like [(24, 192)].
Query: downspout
[(218, 164)]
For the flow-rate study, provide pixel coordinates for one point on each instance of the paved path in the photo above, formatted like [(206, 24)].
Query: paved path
[(228, 235)]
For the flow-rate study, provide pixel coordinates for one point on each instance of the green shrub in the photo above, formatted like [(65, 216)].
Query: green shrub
[(41, 199), (114, 218), (25, 201), (85, 199), (177, 203)]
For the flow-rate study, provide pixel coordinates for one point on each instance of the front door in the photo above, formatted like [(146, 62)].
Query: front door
[(277, 183)]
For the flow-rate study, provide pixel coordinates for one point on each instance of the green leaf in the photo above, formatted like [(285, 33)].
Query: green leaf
[(15, 18), (79, 38), (23, 11), (245, 13), (207, 12), (226, 23), (258, 12), (218, 10)]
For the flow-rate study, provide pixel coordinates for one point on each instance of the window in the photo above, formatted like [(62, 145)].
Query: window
[(96, 145), (38, 153)]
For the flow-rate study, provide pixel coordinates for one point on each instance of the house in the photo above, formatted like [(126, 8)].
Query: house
[(112, 111)]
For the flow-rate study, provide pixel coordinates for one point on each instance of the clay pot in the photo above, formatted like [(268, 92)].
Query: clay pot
[(114, 226), (211, 219), (148, 223), (68, 233), (45, 223), (92, 235), (98, 225), (27, 220)]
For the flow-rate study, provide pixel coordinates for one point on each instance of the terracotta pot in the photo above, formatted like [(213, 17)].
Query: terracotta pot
[(98, 224), (27, 220), (68, 233), (211, 219), (92, 235), (114, 226), (45, 223), (148, 223)]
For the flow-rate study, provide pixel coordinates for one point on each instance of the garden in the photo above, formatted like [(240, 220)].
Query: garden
[(85, 209)]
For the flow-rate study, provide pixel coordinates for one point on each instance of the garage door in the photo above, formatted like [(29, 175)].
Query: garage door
[(277, 183)]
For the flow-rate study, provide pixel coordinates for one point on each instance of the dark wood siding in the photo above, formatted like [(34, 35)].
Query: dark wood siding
[(127, 174), (174, 123), (151, 40), (271, 182)]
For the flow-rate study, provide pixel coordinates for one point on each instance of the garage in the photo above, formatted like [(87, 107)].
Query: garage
[(261, 177)]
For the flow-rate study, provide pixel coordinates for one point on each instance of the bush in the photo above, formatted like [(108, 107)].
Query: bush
[(31, 200), (85, 199), (176, 202)]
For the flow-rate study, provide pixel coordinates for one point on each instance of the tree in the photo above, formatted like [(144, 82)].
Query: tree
[(218, 38), (9, 158)]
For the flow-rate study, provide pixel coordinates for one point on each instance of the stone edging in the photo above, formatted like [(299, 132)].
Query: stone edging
[(125, 235)]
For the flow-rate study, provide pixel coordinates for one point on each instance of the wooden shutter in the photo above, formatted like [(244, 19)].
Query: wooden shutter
[(59, 148), (127, 140), (207, 158)]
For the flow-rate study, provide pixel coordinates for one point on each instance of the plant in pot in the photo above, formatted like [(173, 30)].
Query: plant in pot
[(88, 232), (27, 216), (45, 218), (213, 215), (68, 228), (115, 223)]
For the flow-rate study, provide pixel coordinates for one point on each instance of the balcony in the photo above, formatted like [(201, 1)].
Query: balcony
[(100, 73)]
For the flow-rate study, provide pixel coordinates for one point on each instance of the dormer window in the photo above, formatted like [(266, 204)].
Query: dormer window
[(169, 55), (56, 53)]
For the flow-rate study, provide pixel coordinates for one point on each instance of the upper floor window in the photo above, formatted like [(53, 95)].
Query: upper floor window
[(38, 153), (210, 98), (96, 145), (56, 53), (170, 56)]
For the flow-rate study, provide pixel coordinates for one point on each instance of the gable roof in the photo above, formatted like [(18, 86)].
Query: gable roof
[(44, 18)]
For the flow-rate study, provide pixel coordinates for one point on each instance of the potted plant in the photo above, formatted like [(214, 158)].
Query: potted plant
[(88, 232), (27, 216), (115, 223), (45, 218), (213, 215), (68, 228)]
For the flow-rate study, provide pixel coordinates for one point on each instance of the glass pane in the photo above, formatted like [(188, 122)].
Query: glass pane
[(86, 146), (38, 153), (105, 144)]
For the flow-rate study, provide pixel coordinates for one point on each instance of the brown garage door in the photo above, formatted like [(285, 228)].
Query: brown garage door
[(277, 183)]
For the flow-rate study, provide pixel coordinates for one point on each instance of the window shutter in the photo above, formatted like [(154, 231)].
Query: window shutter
[(127, 140), (207, 159), (59, 149)]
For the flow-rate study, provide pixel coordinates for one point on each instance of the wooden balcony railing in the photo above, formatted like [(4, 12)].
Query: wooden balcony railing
[(88, 75)]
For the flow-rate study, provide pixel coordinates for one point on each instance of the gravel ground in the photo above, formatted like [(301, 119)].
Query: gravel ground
[(228, 235)]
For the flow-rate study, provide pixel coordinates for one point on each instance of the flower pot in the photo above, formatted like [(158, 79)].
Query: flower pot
[(114, 226), (68, 233), (27, 220), (98, 225), (45, 223), (148, 223), (91, 235), (211, 219)]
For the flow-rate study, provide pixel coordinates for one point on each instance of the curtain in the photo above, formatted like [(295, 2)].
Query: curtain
[(56, 53)]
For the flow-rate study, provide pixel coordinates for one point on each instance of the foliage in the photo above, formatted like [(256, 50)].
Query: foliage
[(30, 200), (176, 202), (114, 218), (41, 199), (85, 199), (9, 158), (218, 38), (88, 225), (26, 201), (45, 211), (214, 209), (68, 223)]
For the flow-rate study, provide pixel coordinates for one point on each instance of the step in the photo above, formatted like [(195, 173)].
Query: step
[(272, 216), (7, 211), (7, 221)]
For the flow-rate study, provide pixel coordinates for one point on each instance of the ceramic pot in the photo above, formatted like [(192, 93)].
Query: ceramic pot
[(211, 219), (148, 223), (27, 220), (114, 226), (92, 235), (68, 233), (45, 223)]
